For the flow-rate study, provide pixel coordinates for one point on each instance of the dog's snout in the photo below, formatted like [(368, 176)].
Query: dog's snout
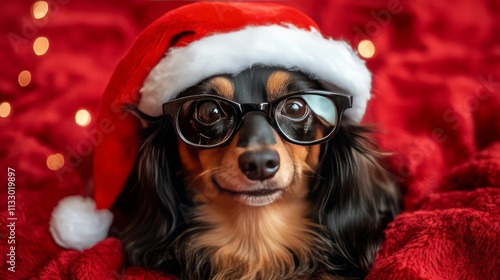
[(259, 165)]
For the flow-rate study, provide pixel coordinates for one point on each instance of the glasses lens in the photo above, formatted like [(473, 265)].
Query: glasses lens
[(207, 121), (306, 117)]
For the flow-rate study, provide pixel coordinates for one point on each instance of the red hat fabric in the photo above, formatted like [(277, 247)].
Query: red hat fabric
[(196, 41)]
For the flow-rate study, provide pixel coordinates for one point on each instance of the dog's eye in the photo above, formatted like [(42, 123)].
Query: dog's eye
[(208, 112), (295, 109)]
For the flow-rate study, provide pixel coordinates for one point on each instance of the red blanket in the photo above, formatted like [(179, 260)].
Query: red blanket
[(436, 104)]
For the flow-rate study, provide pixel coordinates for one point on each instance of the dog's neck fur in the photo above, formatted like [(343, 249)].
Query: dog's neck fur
[(276, 241)]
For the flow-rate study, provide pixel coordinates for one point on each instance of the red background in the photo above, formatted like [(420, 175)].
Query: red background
[(436, 102)]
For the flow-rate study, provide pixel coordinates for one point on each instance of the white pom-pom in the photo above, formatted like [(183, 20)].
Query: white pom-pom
[(77, 224)]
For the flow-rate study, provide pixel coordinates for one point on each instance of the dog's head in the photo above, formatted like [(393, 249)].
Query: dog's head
[(259, 168)]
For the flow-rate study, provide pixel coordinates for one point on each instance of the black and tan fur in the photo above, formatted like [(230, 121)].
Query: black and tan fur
[(328, 224)]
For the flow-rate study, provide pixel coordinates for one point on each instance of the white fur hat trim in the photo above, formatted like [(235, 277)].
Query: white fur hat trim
[(329, 61)]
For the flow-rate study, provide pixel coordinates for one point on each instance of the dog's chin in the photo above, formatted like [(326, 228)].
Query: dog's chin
[(257, 196)]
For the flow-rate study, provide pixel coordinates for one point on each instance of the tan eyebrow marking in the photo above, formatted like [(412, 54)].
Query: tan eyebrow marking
[(222, 85), (277, 84)]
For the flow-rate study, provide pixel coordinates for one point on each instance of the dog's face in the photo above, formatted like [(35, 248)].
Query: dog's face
[(256, 167)]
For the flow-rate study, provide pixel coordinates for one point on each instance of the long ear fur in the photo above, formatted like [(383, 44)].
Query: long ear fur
[(158, 218), (354, 200)]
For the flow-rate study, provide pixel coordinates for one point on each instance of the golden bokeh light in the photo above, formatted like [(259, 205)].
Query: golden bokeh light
[(55, 162), (82, 117), (24, 78), (41, 45), (5, 109), (366, 49), (39, 9)]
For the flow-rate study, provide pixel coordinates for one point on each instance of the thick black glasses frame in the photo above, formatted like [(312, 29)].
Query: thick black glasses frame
[(342, 102)]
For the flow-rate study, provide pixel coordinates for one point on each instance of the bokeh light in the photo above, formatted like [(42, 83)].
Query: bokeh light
[(5, 109), (55, 162), (24, 78), (39, 9), (82, 117), (366, 48), (41, 45)]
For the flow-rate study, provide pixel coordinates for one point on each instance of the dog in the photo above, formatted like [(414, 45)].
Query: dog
[(243, 179)]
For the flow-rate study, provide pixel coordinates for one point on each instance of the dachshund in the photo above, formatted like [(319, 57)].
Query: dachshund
[(257, 175)]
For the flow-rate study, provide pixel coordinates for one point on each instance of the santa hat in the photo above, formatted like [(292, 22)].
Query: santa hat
[(179, 50)]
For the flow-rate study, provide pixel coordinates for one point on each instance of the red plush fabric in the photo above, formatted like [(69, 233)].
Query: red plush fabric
[(436, 104)]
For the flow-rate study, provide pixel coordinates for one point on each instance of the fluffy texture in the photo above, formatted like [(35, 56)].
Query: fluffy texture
[(332, 62), (436, 97), (77, 224)]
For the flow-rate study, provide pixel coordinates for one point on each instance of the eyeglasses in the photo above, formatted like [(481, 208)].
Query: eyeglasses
[(304, 118)]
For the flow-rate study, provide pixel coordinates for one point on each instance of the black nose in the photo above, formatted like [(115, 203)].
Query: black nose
[(259, 165)]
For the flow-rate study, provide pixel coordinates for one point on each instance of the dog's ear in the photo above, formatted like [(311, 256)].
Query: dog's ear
[(354, 199), (155, 219)]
